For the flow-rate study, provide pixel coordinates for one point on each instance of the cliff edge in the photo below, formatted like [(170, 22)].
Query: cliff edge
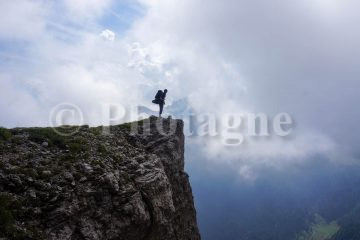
[(129, 184)]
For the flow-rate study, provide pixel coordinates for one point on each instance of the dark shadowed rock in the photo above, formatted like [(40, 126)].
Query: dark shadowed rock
[(127, 185)]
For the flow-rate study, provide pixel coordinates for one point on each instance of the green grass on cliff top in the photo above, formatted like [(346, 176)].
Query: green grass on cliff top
[(320, 230)]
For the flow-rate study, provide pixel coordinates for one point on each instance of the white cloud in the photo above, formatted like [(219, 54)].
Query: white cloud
[(84, 10), (238, 56), (21, 19), (108, 35)]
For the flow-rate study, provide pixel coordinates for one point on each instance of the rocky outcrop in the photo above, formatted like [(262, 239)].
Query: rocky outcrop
[(129, 184)]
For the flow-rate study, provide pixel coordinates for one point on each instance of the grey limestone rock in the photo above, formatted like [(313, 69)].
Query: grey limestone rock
[(129, 184)]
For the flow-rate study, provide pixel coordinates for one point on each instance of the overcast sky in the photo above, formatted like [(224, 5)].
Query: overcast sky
[(299, 57)]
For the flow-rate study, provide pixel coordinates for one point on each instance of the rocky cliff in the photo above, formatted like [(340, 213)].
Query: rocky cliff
[(129, 184)]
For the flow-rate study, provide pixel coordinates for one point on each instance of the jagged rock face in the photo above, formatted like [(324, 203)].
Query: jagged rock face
[(93, 186)]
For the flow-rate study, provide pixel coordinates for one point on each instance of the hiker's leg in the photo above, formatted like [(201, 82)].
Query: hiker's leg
[(161, 105)]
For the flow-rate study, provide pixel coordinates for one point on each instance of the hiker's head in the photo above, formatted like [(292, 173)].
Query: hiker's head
[(165, 90)]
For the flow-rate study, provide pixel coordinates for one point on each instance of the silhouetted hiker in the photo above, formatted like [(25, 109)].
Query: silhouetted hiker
[(160, 99)]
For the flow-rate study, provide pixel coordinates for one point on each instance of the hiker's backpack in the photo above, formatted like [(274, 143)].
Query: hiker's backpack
[(158, 95)]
